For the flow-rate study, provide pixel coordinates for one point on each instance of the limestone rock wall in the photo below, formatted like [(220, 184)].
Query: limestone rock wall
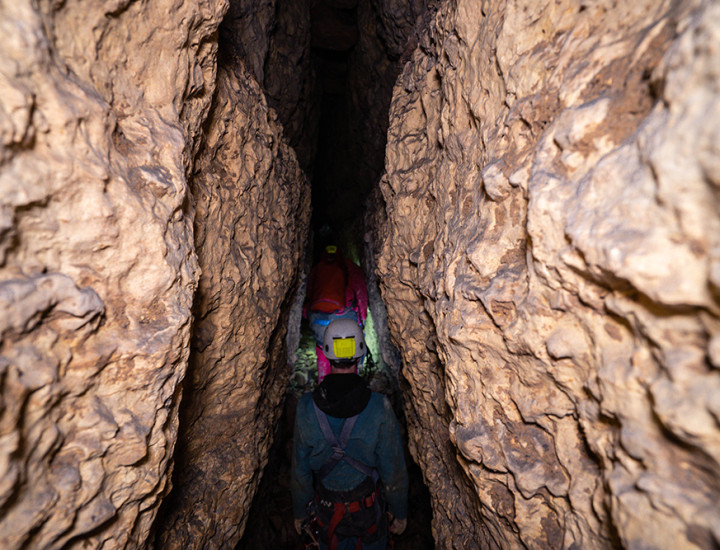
[(252, 217), (273, 39), (100, 109), (550, 260), (388, 33)]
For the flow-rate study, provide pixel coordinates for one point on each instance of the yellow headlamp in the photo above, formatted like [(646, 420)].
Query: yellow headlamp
[(344, 348), (331, 249)]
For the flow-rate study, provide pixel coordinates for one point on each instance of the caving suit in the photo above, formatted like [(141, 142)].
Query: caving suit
[(375, 440), (356, 305)]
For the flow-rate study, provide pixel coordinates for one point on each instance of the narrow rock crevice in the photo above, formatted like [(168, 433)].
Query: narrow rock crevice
[(339, 194), (531, 188)]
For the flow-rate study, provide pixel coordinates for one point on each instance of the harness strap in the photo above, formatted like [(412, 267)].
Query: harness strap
[(338, 444), (357, 505), (338, 514), (339, 510), (338, 447), (360, 467)]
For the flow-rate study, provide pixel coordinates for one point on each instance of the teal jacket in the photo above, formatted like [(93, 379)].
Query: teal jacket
[(375, 440)]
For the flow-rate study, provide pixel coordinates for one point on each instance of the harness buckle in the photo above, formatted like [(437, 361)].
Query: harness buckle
[(369, 500)]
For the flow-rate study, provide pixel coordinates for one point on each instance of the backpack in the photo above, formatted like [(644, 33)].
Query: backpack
[(327, 292)]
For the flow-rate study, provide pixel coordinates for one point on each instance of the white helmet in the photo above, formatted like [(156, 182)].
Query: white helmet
[(344, 340)]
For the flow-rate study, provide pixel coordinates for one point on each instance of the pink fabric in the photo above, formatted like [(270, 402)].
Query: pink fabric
[(323, 364), (356, 296), (356, 293)]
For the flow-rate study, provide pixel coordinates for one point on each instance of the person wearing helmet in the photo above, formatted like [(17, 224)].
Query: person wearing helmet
[(348, 465), (336, 289)]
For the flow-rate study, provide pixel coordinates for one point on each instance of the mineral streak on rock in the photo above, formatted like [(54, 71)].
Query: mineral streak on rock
[(549, 261)]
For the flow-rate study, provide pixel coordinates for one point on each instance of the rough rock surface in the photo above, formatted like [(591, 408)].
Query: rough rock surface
[(252, 205), (388, 32), (273, 38), (100, 108), (363, 44), (550, 263)]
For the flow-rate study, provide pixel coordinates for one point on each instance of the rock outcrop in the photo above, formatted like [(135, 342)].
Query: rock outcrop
[(106, 164), (550, 262), (100, 109), (548, 249), (388, 33), (273, 39), (252, 205)]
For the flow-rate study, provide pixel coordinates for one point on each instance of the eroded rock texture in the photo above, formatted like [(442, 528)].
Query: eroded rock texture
[(100, 107), (252, 217), (273, 38), (361, 47), (551, 266), (387, 35)]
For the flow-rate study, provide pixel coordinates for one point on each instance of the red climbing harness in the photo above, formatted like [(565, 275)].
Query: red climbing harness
[(364, 503), (340, 509)]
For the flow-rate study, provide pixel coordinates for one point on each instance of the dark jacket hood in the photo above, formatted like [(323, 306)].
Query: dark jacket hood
[(342, 395)]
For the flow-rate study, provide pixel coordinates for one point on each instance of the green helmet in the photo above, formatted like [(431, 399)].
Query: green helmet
[(344, 340)]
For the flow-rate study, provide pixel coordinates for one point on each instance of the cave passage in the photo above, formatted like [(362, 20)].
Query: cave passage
[(534, 186), (339, 193)]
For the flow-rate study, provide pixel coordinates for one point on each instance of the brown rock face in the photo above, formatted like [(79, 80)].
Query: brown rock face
[(252, 217), (551, 270), (548, 249), (357, 71), (101, 114), (273, 39), (388, 35), (99, 110)]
